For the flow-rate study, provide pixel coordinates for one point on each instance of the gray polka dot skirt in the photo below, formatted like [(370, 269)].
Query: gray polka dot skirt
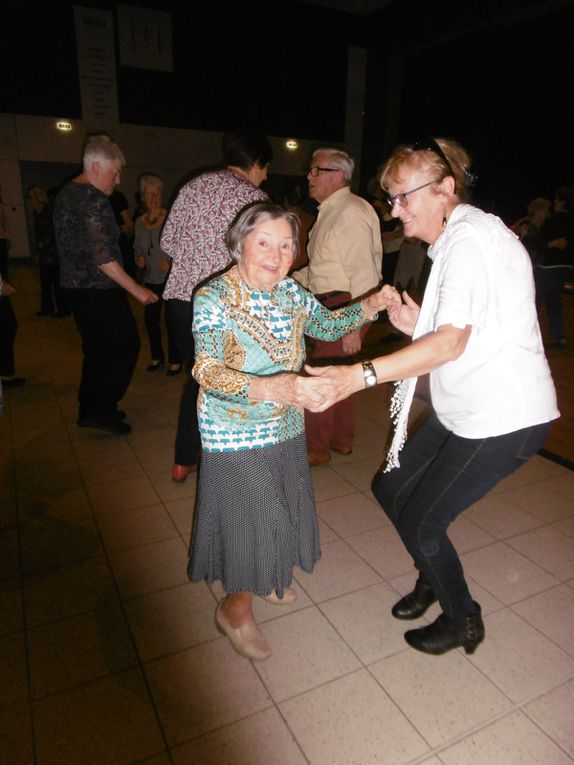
[(255, 518)]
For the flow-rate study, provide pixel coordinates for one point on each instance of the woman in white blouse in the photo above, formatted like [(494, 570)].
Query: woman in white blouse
[(492, 394)]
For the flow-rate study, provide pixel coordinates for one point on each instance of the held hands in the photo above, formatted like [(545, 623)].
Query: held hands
[(382, 300), (338, 383), (351, 343)]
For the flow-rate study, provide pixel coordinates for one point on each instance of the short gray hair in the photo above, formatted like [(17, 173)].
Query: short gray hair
[(101, 148), (149, 179), (249, 217), (340, 160)]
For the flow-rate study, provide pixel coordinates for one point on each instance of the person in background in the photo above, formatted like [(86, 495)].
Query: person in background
[(150, 257), (52, 298), (556, 261), (293, 202), (8, 320), (255, 514), (126, 226), (90, 269), (193, 237), (345, 261), (492, 394)]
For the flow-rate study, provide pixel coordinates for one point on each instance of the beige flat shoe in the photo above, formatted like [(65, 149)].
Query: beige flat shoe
[(289, 596), (247, 640)]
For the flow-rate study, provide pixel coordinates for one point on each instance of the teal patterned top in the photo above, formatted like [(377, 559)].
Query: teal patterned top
[(241, 333)]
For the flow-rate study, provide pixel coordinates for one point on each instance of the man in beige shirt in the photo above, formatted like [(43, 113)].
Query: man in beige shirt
[(345, 261)]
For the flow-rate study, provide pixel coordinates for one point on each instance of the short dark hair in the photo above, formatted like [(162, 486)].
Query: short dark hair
[(247, 219), (245, 148)]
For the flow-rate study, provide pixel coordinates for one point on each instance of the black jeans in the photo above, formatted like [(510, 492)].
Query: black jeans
[(187, 440), (152, 316), (110, 344), (441, 475)]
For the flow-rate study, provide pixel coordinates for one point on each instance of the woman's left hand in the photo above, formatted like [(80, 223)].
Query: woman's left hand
[(339, 382), (381, 300)]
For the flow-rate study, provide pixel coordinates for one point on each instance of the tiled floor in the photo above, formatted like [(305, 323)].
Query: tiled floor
[(109, 655)]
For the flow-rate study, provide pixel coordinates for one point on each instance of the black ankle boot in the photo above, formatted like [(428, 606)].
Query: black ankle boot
[(445, 633), (416, 602)]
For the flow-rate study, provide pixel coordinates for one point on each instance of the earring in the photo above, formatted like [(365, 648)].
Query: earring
[(444, 220)]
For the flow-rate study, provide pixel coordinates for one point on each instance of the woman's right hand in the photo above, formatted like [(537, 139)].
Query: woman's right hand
[(290, 389), (140, 261), (404, 315)]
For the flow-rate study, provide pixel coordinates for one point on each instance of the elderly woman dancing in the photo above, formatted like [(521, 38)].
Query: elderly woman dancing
[(255, 514), (492, 394)]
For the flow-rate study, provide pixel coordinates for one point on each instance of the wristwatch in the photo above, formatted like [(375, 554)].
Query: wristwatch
[(369, 374)]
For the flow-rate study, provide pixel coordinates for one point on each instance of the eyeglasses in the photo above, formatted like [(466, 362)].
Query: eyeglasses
[(314, 171), (401, 199)]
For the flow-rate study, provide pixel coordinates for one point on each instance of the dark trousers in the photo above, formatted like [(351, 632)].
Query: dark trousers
[(50, 291), (8, 329), (152, 316), (110, 344), (549, 285), (441, 475), (187, 440)]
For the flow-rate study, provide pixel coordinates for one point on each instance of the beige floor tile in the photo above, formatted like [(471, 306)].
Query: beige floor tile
[(553, 714), (552, 613), (352, 514), (339, 571), (159, 759), (163, 438), (360, 473), (181, 513), (441, 696), (169, 490), (155, 460), (544, 500), (112, 469), (364, 621), (549, 548), (9, 555), (328, 484), (509, 576), (498, 515), (55, 541), (122, 495), (352, 721), (111, 719), (69, 590), (78, 649), (150, 568), (518, 659), (513, 740), (383, 550), (203, 689), (566, 526), (466, 535), (171, 620), (326, 533), (262, 739), (16, 743), (132, 528), (13, 677), (66, 506), (306, 653), (10, 606)]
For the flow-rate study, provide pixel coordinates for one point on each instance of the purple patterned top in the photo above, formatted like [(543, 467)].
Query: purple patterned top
[(193, 235)]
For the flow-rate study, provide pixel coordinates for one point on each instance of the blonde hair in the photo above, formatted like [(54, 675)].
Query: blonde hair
[(442, 156)]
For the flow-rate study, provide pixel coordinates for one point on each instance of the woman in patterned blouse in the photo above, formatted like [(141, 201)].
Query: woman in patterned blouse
[(255, 515)]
